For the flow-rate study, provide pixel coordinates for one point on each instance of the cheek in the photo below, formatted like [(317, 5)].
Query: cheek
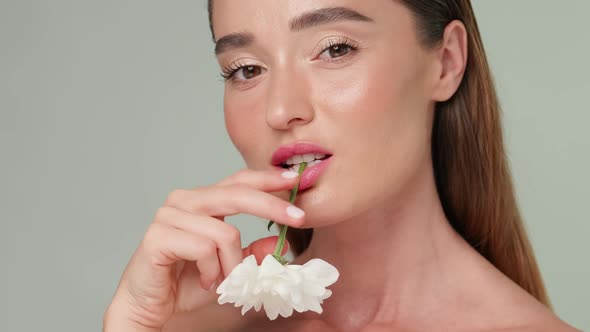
[(368, 92), (341, 92), (396, 118), (378, 109)]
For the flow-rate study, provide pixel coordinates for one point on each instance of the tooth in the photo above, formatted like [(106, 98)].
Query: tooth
[(297, 159), (294, 168), (319, 156), (315, 162), (308, 157), (289, 161)]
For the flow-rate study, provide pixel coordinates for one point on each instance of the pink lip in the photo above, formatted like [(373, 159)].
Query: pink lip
[(310, 174), (287, 151)]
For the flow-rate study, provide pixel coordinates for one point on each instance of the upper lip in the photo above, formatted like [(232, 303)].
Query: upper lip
[(287, 151)]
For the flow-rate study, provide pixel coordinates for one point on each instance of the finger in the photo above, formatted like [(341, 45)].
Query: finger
[(234, 199), (226, 237), (164, 245), (188, 296), (267, 180), (261, 248)]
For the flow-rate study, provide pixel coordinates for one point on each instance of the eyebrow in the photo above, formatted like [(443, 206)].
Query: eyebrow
[(304, 21), (324, 16), (233, 41)]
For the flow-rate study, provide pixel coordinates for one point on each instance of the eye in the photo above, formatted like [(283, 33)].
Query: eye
[(337, 50), (248, 72), (241, 72)]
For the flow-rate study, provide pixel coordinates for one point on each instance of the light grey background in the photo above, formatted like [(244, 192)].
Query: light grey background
[(107, 106)]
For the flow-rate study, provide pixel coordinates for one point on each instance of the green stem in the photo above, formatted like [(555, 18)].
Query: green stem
[(283, 233)]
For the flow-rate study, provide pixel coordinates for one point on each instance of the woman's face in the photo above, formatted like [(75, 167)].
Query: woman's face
[(358, 84)]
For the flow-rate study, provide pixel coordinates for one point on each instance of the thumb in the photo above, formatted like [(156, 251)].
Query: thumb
[(261, 248)]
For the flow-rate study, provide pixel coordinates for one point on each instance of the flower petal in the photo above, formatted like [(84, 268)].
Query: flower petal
[(279, 289), (320, 271)]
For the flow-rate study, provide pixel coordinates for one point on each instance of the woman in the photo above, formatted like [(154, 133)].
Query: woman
[(414, 204)]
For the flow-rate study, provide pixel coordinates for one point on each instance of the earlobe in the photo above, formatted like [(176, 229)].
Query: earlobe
[(453, 60)]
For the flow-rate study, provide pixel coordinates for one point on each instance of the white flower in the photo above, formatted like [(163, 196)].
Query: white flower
[(279, 288)]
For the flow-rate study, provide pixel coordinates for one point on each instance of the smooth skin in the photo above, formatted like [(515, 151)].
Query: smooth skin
[(188, 249), (365, 90)]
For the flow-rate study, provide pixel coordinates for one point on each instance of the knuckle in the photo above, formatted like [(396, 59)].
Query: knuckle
[(242, 174), (175, 196), (231, 235), (152, 236), (209, 275), (238, 177), (209, 248), (162, 214), (153, 230)]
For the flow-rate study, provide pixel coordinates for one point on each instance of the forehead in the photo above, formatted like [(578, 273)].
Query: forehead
[(264, 16)]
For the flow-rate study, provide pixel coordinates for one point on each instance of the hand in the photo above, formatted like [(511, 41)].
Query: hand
[(189, 245)]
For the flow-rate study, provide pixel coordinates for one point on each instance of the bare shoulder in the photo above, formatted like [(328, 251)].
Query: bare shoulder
[(528, 315), (504, 306), (553, 325), (532, 316)]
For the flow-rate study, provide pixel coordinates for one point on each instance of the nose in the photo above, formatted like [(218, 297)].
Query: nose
[(288, 103)]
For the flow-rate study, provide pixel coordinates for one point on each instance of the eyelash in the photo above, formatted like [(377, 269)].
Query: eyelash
[(229, 71), (352, 46)]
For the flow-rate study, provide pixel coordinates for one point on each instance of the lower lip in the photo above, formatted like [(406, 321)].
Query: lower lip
[(311, 174)]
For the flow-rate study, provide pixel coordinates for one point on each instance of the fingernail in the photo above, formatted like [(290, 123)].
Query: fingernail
[(295, 212), (212, 287), (290, 175)]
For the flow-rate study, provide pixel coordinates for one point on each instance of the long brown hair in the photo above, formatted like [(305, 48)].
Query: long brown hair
[(470, 165)]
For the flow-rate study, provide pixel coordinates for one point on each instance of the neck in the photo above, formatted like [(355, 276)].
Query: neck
[(393, 259)]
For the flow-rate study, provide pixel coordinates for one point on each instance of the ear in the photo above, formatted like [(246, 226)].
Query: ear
[(452, 60)]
